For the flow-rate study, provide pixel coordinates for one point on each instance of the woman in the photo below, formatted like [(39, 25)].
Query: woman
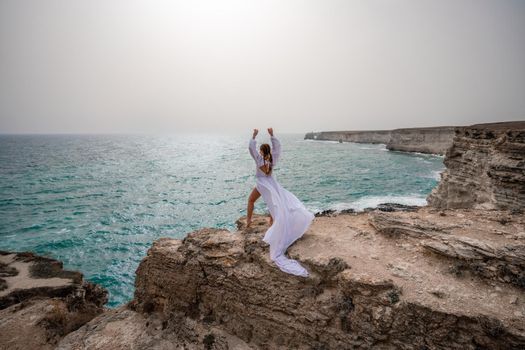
[(289, 219)]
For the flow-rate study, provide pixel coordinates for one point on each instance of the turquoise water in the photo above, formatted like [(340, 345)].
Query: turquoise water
[(98, 202)]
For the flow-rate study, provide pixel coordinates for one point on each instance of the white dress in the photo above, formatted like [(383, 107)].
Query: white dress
[(290, 218)]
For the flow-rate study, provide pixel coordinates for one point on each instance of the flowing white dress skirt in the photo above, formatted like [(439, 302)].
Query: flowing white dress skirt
[(290, 221)]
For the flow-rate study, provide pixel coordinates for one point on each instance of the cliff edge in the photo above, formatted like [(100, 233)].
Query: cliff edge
[(427, 279), (40, 302), (485, 168), (434, 140)]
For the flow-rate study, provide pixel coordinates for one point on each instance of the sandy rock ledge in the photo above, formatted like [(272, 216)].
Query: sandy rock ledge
[(368, 289), (40, 302)]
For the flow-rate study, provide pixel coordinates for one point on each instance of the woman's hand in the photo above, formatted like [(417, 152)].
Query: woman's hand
[(255, 132), (270, 131)]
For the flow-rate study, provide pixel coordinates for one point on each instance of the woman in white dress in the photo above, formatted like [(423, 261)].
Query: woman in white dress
[(289, 219)]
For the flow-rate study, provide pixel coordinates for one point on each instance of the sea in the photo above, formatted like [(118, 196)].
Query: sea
[(97, 202)]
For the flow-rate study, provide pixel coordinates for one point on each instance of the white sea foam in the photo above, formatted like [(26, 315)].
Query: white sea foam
[(378, 147), (426, 155), (324, 141), (374, 201), (306, 140), (314, 208), (436, 175)]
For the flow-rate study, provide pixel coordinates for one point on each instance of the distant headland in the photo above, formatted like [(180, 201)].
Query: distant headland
[(434, 140)]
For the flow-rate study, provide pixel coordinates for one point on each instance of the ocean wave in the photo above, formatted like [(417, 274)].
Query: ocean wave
[(324, 141), (436, 175), (374, 201), (426, 161), (430, 155), (425, 155), (379, 147)]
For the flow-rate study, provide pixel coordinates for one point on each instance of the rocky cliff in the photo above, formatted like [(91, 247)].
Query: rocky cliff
[(371, 136), (40, 302), (485, 168), (435, 140), (381, 279), (425, 140), (424, 279)]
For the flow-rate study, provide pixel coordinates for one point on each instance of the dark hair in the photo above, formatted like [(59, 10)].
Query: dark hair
[(267, 155)]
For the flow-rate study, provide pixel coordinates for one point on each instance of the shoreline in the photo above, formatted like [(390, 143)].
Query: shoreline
[(427, 140)]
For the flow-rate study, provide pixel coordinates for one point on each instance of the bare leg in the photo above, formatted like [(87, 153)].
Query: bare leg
[(251, 202)]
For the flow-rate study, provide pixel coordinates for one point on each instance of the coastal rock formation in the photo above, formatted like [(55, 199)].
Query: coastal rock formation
[(424, 140), (40, 302), (473, 241), (434, 140), (365, 136), (124, 328), (485, 168), (376, 282)]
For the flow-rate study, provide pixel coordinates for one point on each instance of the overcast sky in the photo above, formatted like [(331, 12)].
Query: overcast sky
[(230, 65)]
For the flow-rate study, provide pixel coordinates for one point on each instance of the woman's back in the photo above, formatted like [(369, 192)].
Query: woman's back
[(265, 166)]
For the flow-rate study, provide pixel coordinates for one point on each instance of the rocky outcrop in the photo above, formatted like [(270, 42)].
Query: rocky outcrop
[(365, 136), (124, 328), (434, 140), (482, 245), (424, 140), (40, 302), (485, 168), (376, 282)]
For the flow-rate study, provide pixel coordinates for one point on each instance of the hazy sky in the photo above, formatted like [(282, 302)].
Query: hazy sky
[(230, 65)]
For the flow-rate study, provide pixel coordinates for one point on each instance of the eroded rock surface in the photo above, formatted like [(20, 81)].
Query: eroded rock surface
[(488, 243), (40, 302), (435, 140), (124, 328), (485, 168), (403, 279), (374, 283)]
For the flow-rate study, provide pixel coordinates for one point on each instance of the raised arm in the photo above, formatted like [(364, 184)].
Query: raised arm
[(253, 149), (276, 146)]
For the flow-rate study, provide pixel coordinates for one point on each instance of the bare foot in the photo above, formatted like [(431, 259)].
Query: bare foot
[(248, 223)]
